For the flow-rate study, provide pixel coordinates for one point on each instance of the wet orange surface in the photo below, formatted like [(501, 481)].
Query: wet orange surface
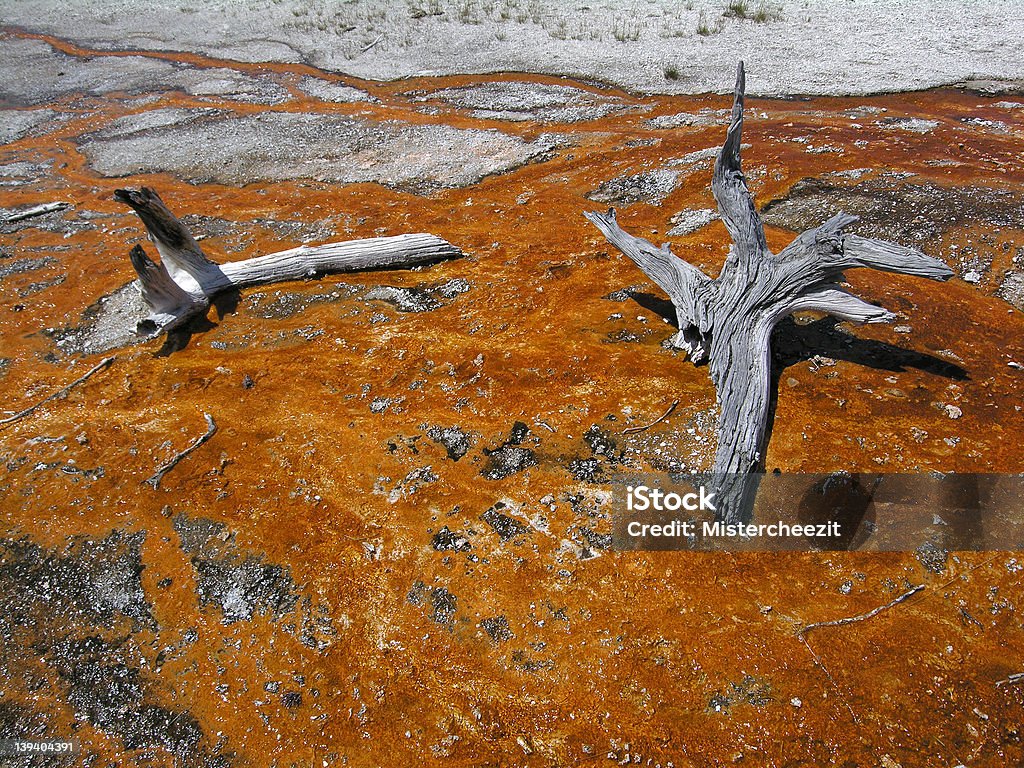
[(392, 651)]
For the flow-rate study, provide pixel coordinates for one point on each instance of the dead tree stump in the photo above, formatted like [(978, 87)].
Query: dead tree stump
[(728, 321), (182, 284)]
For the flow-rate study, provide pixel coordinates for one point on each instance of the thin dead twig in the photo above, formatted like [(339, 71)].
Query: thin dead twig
[(211, 430), (104, 363), (658, 420), (835, 685), (1016, 677), (368, 47), (862, 617), (37, 210)]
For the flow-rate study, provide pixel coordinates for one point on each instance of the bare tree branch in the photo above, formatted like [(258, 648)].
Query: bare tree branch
[(735, 204), (101, 365), (864, 616), (729, 320), (156, 477), (185, 281)]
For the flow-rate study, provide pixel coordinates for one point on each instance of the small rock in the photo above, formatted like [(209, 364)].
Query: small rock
[(953, 412)]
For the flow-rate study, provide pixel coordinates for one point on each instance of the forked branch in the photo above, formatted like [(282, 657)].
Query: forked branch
[(729, 320), (185, 280)]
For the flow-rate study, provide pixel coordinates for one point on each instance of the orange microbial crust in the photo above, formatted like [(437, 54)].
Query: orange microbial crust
[(370, 563)]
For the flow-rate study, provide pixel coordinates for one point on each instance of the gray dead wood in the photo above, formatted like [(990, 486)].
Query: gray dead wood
[(101, 365), (37, 210), (728, 321), (184, 281), (665, 415), (861, 617), (1012, 679), (211, 429)]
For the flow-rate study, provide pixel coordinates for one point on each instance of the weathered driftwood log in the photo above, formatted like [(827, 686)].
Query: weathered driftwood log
[(183, 283), (728, 321)]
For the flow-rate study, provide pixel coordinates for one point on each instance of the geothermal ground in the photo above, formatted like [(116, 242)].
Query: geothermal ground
[(395, 548)]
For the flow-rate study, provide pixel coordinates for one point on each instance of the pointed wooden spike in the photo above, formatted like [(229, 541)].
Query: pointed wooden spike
[(730, 320), (735, 205), (159, 291), (181, 254)]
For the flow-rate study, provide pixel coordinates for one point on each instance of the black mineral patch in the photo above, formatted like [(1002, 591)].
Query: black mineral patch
[(442, 604), (41, 285), (510, 457), (603, 450), (91, 581), (449, 541), (456, 442), (600, 442), (506, 527), (238, 584), (623, 294), (750, 690), (497, 629), (624, 336), (68, 617), (518, 433), (586, 470), (595, 540), (20, 266), (932, 557), (114, 696), (507, 460), (417, 594)]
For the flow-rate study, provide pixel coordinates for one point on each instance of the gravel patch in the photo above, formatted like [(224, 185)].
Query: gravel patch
[(279, 146), (16, 124), (519, 101), (912, 124), (807, 47), (647, 187), (704, 117), (333, 92), (910, 213), (37, 74), (690, 220)]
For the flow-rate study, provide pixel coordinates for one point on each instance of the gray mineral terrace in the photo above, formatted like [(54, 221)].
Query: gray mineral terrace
[(821, 47)]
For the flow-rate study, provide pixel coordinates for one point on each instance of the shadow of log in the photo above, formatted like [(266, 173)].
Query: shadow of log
[(795, 343), (226, 302), (844, 499), (661, 307), (178, 339)]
